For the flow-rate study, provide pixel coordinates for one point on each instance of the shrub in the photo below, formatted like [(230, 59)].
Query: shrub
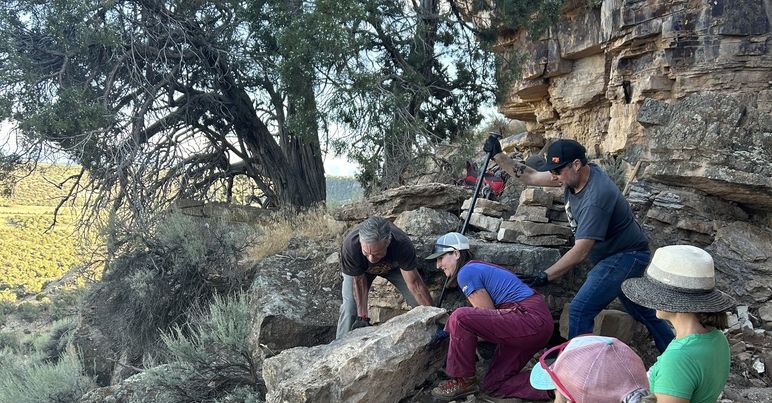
[(9, 340), (57, 339), (211, 357), (615, 168), (153, 279), (7, 296), (29, 311), (27, 379), (65, 303)]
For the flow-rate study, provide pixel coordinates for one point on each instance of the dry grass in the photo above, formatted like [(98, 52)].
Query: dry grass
[(314, 224)]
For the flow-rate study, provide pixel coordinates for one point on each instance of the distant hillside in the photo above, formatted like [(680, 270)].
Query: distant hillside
[(341, 189)]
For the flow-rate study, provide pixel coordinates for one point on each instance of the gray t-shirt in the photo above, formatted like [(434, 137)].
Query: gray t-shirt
[(600, 212)]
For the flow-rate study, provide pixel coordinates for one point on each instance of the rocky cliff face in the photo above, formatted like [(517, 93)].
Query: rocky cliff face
[(680, 89)]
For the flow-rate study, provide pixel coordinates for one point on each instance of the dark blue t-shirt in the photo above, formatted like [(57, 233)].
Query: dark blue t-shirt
[(600, 212), (501, 284)]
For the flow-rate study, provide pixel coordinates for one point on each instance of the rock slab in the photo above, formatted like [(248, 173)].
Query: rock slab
[(372, 364)]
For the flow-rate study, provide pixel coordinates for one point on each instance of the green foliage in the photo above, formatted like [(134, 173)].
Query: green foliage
[(57, 339), (615, 168), (29, 311), (27, 379), (154, 279), (509, 16), (32, 253), (211, 356), (9, 341)]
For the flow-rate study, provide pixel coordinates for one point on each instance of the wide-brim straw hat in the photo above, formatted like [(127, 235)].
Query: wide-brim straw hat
[(680, 278)]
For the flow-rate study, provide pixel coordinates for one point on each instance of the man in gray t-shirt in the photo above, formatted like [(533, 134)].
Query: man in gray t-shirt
[(605, 230)]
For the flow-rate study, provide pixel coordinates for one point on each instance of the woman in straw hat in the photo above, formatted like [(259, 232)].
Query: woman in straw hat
[(680, 284), (504, 311)]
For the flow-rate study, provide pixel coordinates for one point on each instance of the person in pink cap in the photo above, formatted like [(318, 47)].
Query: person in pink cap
[(504, 311), (593, 369)]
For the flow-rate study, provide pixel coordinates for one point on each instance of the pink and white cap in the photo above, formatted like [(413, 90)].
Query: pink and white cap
[(591, 369)]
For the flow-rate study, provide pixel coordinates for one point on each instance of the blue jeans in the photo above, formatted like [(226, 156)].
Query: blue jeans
[(603, 284)]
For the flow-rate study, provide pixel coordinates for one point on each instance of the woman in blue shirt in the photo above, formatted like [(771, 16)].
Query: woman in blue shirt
[(504, 311)]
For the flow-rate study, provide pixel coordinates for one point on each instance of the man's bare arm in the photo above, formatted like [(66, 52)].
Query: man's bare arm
[(417, 287), (572, 258), (359, 283), (525, 174)]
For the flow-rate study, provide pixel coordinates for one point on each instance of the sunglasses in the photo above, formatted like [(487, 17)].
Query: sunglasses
[(557, 171), (552, 374)]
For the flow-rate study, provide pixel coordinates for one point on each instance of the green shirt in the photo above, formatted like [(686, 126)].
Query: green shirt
[(694, 367)]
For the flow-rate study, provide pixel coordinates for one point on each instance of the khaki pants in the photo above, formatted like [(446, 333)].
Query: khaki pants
[(348, 309)]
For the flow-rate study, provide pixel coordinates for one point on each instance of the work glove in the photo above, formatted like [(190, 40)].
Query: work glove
[(492, 145), (535, 280), (361, 321), (439, 337)]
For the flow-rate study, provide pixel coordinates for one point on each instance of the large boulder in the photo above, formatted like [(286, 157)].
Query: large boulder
[(741, 252), (373, 364), (724, 150), (426, 221), (290, 307), (391, 202)]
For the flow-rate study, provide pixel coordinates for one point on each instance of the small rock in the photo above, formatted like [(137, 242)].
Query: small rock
[(759, 366), (737, 348), (333, 258)]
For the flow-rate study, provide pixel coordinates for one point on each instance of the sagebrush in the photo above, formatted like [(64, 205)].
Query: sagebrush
[(153, 279), (211, 357)]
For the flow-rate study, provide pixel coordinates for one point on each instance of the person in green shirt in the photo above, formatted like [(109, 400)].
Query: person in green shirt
[(680, 285)]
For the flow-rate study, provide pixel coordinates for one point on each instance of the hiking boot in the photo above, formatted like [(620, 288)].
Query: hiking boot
[(454, 388)]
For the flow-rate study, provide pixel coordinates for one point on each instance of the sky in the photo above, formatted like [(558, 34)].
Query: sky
[(333, 165)]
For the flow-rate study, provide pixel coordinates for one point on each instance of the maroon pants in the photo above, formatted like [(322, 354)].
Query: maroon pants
[(519, 330)]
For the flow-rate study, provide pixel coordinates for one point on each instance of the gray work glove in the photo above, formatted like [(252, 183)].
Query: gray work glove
[(360, 321), (535, 280)]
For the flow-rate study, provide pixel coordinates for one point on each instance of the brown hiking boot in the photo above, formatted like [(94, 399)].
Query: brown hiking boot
[(454, 388)]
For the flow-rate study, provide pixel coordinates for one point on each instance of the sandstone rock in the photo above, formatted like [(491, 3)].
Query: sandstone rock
[(535, 197), (135, 389), (483, 222), (426, 221), (583, 85), (391, 202), (486, 207), (749, 395), (579, 33), (507, 235), (384, 295), (376, 364), (530, 213), (609, 322), (289, 308), (522, 141), (536, 229), (523, 258), (333, 259), (543, 240), (765, 312), (746, 242), (721, 151)]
